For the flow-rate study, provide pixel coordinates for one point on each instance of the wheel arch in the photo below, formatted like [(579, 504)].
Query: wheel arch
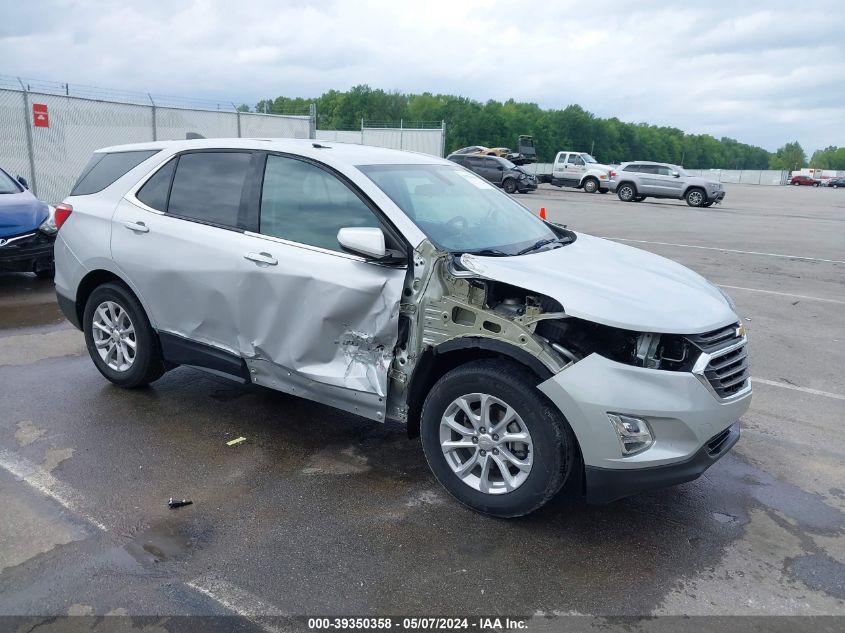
[(435, 362), (96, 278)]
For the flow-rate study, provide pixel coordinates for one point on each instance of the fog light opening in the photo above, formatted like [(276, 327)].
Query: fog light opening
[(634, 434)]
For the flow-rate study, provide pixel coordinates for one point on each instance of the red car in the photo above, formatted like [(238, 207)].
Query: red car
[(804, 180)]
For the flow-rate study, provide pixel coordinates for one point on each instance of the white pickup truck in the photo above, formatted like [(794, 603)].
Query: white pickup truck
[(579, 170)]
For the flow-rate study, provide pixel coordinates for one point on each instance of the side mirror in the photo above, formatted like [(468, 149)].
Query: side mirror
[(23, 182), (676, 174), (500, 167), (365, 241)]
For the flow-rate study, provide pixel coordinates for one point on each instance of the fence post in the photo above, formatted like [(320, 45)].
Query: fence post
[(238, 117), (443, 138), (155, 124), (27, 117), (312, 122), (401, 134)]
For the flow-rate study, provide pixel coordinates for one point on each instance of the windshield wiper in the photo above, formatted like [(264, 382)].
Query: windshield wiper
[(542, 243), (488, 252)]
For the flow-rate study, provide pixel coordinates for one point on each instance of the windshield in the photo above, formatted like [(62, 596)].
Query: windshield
[(508, 164), (681, 170), (588, 159), (8, 184), (459, 211)]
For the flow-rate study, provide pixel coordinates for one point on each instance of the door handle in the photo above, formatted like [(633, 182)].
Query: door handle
[(262, 258), (138, 227)]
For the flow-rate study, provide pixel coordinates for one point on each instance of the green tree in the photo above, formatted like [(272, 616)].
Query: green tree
[(498, 124), (789, 157)]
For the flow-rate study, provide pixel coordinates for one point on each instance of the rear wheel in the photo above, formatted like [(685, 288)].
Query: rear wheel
[(509, 185), (815, 184), (120, 340), (626, 192), (591, 185), (695, 197), (493, 441), (639, 198), (796, 183)]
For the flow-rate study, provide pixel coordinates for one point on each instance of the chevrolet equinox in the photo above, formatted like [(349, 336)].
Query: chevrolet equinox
[(398, 285)]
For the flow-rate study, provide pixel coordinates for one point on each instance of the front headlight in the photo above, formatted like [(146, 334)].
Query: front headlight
[(48, 226)]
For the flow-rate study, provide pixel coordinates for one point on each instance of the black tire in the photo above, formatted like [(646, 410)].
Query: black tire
[(639, 198), (604, 190), (815, 184), (552, 439), (796, 183), (509, 185), (626, 192), (695, 197), (147, 365), (591, 185), (707, 204), (45, 271)]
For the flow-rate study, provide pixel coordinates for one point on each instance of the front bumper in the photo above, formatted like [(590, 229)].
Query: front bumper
[(22, 253), (529, 184), (716, 196), (683, 413)]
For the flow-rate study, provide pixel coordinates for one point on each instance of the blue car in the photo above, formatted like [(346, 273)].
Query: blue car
[(27, 229)]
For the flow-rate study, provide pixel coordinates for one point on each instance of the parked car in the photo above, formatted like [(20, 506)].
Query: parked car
[(499, 171), (27, 229), (807, 181), (501, 152), (836, 183), (579, 170), (636, 181), (398, 285), (472, 149)]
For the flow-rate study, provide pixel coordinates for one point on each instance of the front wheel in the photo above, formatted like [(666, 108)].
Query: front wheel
[(639, 198), (626, 192), (695, 197), (815, 184), (509, 185), (493, 441), (591, 185), (120, 340)]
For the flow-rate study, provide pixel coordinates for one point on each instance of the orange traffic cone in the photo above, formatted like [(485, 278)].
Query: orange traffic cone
[(542, 213)]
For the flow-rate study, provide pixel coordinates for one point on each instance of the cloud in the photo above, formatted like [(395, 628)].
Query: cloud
[(763, 74)]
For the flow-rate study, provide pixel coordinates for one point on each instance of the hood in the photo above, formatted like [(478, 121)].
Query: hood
[(701, 180), (614, 284), (21, 213), (601, 166)]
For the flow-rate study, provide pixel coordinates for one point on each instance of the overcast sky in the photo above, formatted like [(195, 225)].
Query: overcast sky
[(761, 72)]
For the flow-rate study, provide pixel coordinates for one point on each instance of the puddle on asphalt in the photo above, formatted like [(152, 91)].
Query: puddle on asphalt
[(168, 540), (30, 315)]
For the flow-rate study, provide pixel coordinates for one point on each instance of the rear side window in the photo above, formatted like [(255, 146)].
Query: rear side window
[(103, 169), (632, 168), (648, 169), (155, 190), (208, 186)]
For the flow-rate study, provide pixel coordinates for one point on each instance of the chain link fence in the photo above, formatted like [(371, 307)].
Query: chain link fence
[(48, 131)]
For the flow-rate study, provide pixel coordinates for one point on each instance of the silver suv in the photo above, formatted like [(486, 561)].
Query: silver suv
[(397, 285), (636, 181)]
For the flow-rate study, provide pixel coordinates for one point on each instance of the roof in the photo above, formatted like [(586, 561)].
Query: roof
[(325, 151)]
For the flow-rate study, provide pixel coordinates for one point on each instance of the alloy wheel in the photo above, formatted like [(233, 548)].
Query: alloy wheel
[(486, 443), (114, 336)]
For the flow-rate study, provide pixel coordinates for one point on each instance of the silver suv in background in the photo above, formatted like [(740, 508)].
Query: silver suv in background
[(397, 285), (636, 181)]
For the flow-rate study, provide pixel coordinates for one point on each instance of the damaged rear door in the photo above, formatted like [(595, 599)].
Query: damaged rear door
[(316, 321)]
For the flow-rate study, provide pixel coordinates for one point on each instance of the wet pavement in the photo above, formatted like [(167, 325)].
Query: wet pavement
[(321, 512)]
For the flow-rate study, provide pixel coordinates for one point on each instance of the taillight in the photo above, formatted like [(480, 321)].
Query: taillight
[(612, 174), (62, 213)]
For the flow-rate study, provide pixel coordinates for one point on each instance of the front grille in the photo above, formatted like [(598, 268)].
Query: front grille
[(728, 373), (716, 339), (727, 370), (714, 445)]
